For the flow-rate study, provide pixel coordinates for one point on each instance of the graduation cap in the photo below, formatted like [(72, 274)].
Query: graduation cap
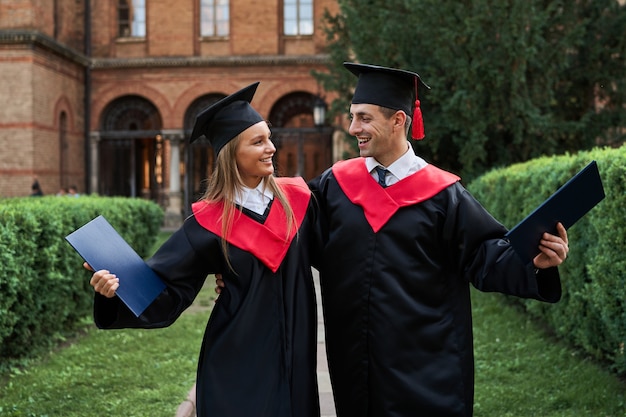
[(223, 120), (389, 87)]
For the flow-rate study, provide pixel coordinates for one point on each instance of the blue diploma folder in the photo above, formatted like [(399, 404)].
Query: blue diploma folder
[(99, 244), (567, 205)]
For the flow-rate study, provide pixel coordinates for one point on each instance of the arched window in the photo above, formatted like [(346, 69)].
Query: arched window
[(131, 18), (214, 18), (301, 148), (298, 17), (131, 150), (293, 110), (131, 113)]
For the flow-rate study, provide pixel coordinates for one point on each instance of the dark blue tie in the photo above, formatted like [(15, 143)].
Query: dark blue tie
[(382, 172)]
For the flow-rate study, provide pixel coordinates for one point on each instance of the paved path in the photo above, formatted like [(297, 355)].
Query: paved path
[(327, 405)]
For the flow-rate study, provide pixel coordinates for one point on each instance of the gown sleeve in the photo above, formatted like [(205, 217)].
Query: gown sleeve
[(183, 263), (316, 241), (319, 229), (487, 259)]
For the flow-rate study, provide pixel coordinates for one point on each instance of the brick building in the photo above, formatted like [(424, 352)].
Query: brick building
[(103, 94)]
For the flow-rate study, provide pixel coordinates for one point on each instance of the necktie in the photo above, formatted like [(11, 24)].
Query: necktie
[(382, 172)]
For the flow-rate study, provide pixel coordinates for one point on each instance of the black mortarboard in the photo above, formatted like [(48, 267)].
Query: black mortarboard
[(223, 120), (389, 87)]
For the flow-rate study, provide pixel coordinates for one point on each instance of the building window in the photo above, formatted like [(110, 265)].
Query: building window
[(214, 18), (131, 17), (298, 17)]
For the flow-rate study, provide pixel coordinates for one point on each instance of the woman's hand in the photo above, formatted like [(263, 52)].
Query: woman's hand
[(103, 282), (219, 283)]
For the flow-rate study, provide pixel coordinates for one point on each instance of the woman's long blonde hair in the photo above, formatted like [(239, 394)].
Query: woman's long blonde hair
[(224, 182)]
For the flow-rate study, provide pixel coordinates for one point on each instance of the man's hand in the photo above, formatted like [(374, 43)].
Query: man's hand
[(553, 249)]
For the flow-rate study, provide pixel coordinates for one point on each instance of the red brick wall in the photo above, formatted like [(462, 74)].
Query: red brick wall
[(42, 85), (63, 23), (170, 27), (255, 29), (254, 25)]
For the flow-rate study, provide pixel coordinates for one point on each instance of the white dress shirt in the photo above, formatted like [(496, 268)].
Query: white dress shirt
[(406, 165), (255, 199)]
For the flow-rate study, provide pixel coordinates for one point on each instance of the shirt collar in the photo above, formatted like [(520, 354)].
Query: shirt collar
[(407, 164), (255, 199)]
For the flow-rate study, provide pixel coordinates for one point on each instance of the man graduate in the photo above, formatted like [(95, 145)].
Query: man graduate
[(258, 356), (402, 241)]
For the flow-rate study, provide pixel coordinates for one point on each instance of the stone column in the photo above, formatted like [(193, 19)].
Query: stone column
[(339, 145), (94, 141), (174, 210)]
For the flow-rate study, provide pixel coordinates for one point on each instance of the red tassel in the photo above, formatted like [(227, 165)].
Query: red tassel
[(417, 128)]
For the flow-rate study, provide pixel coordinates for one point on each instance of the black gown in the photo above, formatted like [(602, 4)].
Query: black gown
[(395, 274), (258, 356)]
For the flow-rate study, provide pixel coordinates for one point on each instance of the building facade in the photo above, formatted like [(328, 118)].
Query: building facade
[(104, 94)]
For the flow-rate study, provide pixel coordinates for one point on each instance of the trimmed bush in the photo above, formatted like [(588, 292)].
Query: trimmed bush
[(44, 290), (592, 312)]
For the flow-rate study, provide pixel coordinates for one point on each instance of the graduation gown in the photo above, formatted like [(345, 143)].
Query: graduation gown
[(258, 355), (395, 272)]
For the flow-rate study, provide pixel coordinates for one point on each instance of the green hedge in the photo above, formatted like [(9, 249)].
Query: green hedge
[(44, 290), (592, 312)]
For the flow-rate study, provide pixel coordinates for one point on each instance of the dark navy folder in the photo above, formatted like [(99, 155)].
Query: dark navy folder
[(567, 205), (99, 244)]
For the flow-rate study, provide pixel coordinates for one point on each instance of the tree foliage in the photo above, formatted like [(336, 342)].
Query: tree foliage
[(510, 80)]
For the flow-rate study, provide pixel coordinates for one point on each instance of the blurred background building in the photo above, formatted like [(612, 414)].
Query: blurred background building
[(103, 94)]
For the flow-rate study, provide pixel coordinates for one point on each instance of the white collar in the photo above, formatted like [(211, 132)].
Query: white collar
[(255, 199), (406, 165)]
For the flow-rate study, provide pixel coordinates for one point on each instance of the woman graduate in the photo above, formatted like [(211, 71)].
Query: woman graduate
[(258, 356)]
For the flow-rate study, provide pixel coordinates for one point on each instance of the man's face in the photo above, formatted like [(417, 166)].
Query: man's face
[(373, 131)]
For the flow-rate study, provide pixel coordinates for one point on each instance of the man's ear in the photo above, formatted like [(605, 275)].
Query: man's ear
[(399, 119)]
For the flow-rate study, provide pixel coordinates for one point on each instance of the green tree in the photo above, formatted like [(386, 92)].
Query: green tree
[(510, 80)]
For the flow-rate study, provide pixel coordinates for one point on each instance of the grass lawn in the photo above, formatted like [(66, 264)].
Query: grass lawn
[(110, 373), (520, 371)]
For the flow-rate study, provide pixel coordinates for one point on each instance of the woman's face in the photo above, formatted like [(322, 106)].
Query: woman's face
[(254, 154)]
